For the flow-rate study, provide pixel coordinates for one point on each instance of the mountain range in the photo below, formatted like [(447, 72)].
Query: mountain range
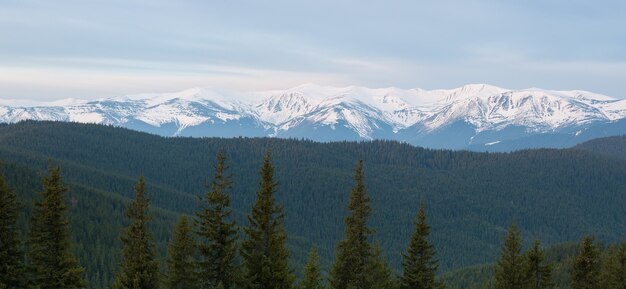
[(474, 117)]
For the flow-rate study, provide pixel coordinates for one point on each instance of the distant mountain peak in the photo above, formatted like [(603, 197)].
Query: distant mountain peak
[(457, 117)]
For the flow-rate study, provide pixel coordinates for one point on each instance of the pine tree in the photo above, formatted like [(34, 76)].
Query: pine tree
[(312, 272), (538, 274), (265, 256), (217, 233), (509, 271), (53, 265), (614, 267), (12, 265), (585, 274), (180, 261), (418, 263), (140, 267), (352, 268)]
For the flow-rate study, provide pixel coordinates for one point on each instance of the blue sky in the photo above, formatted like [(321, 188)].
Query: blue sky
[(98, 48)]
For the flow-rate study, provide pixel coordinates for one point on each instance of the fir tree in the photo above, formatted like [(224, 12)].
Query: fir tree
[(53, 265), (509, 271), (180, 262), (12, 265), (418, 263), (538, 274), (585, 274), (312, 272), (140, 267), (265, 256), (217, 233), (352, 268), (614, 267)]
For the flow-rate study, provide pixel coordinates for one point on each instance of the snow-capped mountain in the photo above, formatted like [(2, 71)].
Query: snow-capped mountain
[(475, 116)]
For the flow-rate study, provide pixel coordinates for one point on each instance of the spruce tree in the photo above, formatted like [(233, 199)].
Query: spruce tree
[(312, 272), (586, 271), (614, 267), (419, 262), (180, 261), (12, 265), (538, 274), (353, 264), (217, 233), (53, 265), (265, 256), (140, 267), (509, 271)]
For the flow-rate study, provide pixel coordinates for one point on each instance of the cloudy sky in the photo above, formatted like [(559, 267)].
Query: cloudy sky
[(98, 48)]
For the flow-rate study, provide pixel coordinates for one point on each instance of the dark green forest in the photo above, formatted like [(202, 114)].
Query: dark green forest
[(608, 146), (553, 195)]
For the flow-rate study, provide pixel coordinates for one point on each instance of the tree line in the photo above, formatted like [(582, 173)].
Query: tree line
[(212, 251), (529, 270)]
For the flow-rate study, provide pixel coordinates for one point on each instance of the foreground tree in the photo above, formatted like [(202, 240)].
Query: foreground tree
[(614, 267), (217, 233), (140, 267), (12, 265), (356, 264), (509, 271), (538, 274), (180, 258), (265, 256), (586, 272), (53, 265), (419, 262), (312, 272)]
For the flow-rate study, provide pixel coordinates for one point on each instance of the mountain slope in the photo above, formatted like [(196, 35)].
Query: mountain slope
[(556, 195), (483, 117), (610, 146)]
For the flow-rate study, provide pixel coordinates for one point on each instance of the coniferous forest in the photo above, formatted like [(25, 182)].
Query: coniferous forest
[(86, 206)]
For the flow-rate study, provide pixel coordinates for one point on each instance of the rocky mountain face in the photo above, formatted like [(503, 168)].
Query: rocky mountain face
[(476, 116)]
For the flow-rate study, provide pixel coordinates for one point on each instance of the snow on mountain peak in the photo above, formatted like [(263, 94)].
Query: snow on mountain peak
[(365, 111)]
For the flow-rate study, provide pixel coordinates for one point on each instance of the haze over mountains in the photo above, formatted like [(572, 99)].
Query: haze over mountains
[(476, 116)]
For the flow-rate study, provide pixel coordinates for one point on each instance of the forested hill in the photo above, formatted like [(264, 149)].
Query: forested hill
[(471, 198), (614, 146)]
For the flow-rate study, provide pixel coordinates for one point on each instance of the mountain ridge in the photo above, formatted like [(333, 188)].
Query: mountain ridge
[(483, 114)]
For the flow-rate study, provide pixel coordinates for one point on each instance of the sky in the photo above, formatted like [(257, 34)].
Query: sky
[(90, 49)]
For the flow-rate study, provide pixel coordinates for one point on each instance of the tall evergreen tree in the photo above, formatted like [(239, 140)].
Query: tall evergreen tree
[(180, 261), (509, 271), (614, 267), (140, 267), (53, 264), (12, 265), (217, 233), (265, 256), (538, 274), (586, 272), (312, 272), (419, 264), (353, 266)]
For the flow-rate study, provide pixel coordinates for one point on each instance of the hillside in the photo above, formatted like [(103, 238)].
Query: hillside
[(609, 146), (555, 195)]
